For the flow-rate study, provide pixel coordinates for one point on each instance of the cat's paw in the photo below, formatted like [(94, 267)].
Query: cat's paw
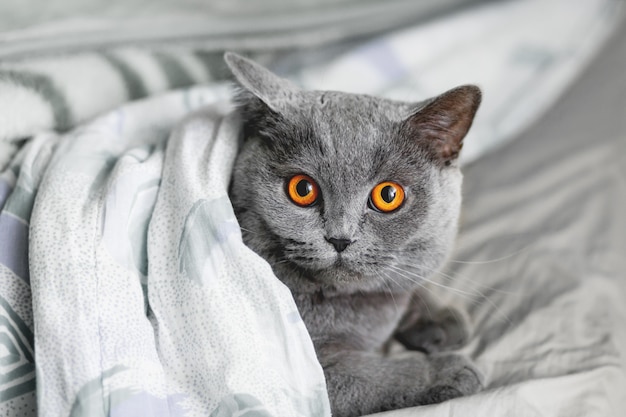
[(446, 330), (455, 376)]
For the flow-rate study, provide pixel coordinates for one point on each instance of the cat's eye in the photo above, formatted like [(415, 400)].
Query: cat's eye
[(303, 190), (386, 197)]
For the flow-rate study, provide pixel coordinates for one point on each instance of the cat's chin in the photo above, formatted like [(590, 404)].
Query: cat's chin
[(346, 281), (339, 278)]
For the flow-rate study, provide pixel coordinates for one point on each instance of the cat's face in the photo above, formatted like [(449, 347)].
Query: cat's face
[(344, 191)]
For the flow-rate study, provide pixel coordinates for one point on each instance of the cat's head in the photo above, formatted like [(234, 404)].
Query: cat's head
[(347, 192)]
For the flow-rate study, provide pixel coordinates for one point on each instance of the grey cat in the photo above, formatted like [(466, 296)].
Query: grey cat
[(352, 199)]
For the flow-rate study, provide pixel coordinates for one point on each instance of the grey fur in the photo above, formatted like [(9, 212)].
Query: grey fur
[(353, 302)]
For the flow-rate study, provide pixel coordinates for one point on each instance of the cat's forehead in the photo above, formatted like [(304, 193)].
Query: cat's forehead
[(354, 106), (347, 125), (349, 138), (341, 120)]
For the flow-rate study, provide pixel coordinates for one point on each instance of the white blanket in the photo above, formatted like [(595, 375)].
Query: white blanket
[(175, 318)]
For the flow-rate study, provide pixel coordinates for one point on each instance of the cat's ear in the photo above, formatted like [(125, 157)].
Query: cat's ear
[(444, 121), (272, 90)]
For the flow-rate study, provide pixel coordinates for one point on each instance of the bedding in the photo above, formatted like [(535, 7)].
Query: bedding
[(145, 301), (521, 60), (540, 262), (125, 288)]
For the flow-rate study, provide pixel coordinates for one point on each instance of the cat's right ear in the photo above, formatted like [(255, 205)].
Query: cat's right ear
[(275, 92)]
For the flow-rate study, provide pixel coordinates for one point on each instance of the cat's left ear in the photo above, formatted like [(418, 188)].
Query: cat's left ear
[(442, 123), (275, 92)]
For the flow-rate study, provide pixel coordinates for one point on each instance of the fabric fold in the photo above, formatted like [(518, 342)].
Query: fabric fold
[(144, 298)]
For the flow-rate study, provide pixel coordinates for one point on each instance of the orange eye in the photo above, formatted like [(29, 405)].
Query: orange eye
[(387, 197), (303, 190)]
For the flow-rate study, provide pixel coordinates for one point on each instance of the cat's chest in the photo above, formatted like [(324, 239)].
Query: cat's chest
[(362, 321)]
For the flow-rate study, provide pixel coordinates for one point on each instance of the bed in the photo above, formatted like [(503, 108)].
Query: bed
[(125, 288), (540, 259)]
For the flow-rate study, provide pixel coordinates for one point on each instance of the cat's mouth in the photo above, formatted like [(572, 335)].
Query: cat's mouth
[(329, 268), (336, 270), (342, 263), (336, 261)]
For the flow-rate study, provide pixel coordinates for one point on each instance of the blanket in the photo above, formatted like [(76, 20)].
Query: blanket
[(512, 50), (124, 286), (144, 299)]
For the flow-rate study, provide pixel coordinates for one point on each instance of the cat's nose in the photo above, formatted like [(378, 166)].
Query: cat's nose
[(339, 244)]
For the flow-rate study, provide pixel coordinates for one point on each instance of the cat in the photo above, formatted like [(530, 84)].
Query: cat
[(351, 199)]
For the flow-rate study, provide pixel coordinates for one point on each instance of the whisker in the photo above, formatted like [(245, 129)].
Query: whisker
[(479, 262), (277, 260), (393, 280), (488, 261), (248, 230), (465, 279), (461, 292), (468, 295), (401, 272), (390, 291), (425, 302)]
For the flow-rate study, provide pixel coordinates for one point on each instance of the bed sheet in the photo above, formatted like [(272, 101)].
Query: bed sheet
[(512, 50), (541, 260)]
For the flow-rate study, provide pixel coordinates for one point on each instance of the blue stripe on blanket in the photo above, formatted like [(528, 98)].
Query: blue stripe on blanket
[(213, 63), (21, 200), (132, 79), (5, 190), (17, 368), (176, 74), (45, 87), (14, 245)]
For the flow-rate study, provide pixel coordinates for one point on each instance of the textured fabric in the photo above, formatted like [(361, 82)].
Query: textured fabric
[(144, 297), (540, 260), (512, 50), (97, 206), (61, 26)]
